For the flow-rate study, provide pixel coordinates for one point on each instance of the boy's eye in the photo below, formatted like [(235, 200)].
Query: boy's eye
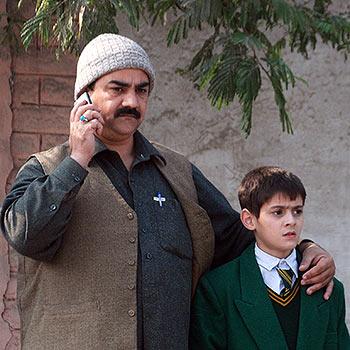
[(298, 211), (277, 212)]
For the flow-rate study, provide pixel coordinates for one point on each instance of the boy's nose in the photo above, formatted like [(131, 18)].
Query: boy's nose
[(290, 219)]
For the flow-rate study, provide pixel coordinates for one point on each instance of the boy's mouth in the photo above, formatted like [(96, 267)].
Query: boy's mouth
[(290, 234)]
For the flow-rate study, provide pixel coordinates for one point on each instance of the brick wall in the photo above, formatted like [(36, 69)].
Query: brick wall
[(42, 93), (42, 100), (36, 98), (8, 314)]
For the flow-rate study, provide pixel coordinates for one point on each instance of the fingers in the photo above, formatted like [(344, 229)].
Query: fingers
[(320, 275), (329, 290), (98, 128), (317, 286), (317, 276), (73, 113), (83, 129), (321, 272), (83, 132), (84, 108), (93, 125), (309, 254), (90, 115)]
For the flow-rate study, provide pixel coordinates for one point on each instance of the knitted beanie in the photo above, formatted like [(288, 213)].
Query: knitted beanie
[(106, 53)]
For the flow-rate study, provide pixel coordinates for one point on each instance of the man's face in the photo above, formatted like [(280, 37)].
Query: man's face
[(278, 228), (122, 98)]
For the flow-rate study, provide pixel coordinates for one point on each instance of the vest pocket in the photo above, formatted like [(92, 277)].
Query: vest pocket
[(174, 236), (63, 327)]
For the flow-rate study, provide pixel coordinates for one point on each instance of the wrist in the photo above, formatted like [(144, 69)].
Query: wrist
[(306, 245), (81, 159)]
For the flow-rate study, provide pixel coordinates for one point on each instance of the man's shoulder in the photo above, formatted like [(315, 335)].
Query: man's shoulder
[(61, 148), (52, 156), (167, 150)]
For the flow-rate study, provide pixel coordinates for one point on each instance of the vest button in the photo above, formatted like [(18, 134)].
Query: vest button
[(149, 256), (131, 286), (131, 262), (76, 178), (130, 216), (53, 207), (131, 313), (132, 240)]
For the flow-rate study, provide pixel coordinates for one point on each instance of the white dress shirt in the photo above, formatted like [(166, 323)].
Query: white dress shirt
[(268, 265)]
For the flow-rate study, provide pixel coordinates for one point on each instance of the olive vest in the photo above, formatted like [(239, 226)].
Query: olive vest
[(83, 298)]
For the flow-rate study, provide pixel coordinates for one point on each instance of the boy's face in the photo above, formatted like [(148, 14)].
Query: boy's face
[(278, 228)]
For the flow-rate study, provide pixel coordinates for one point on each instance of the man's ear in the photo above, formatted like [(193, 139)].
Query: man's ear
[(247, 219)]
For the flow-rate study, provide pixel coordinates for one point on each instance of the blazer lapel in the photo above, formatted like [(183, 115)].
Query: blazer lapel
[(255, 306), (313, 320)]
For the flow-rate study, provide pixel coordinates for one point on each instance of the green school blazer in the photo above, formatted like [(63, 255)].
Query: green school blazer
[(232, 310)]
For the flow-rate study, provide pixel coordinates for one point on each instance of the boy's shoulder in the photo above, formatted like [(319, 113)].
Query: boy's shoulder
[(227, 273), (338, 288)]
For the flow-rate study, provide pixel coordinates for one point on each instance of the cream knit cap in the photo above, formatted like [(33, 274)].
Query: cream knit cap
[(106, 53)]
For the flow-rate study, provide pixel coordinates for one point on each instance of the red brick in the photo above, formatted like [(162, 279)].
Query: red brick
[(3, 252), (3, 4), (17, 163), (57, 91), (10, 180), (26, 10), (23, 145), (26, 90), (49, 141), (5, 333), (6, 113), (43, 119), (44, 62), (11, 177)]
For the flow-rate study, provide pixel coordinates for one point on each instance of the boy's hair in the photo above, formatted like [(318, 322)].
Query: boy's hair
[(261, 184)]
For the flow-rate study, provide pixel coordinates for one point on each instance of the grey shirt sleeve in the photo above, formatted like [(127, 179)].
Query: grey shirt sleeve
[(36, 211), (231, 237)]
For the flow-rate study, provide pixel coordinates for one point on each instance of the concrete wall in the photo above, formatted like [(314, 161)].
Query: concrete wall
[(39, 91), (318, 151)]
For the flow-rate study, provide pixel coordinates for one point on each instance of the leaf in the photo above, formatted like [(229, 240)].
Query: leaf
[(238, 47), (247, 40)]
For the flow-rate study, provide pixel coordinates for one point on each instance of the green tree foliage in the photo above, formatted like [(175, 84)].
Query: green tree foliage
[(247, 39)]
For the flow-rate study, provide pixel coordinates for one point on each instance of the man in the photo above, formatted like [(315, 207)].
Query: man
[(114, 231)]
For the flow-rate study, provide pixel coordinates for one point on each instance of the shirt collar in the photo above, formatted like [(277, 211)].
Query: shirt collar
[(270, 262), (143, 148)]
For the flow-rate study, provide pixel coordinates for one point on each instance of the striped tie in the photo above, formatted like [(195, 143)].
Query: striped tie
[(287, 279)]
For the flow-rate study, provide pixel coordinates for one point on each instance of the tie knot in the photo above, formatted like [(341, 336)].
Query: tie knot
[(287, 278)]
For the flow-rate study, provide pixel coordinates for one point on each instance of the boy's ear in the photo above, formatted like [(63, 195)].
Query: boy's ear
[(247, 219)]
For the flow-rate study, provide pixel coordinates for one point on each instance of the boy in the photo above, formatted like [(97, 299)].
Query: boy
[(256, 301)]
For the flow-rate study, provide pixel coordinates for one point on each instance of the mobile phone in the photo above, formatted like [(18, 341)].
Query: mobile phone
[(83, 97)]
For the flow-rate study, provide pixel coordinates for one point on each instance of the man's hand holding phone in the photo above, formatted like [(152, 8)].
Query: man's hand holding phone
[(85, 122)]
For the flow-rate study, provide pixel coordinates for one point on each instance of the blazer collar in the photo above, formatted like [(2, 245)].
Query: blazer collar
[(313, 320), (255, 306), (259, 315)]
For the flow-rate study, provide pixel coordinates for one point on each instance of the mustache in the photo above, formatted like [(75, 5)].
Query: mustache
[(127, 111)]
